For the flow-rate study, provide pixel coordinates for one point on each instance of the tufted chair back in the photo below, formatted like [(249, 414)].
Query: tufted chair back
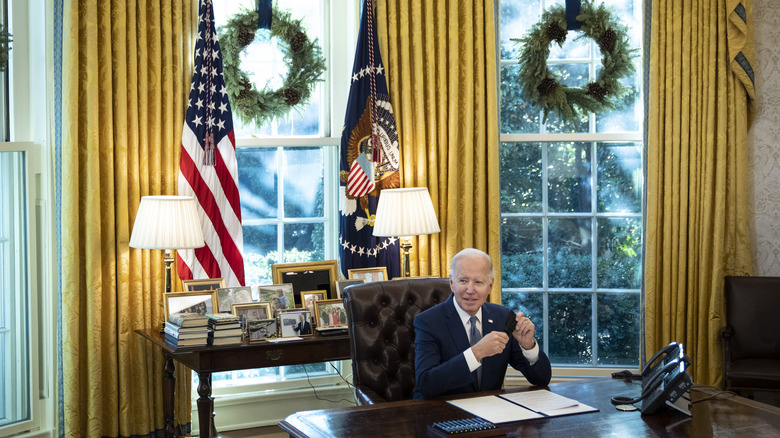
[(380, 318)]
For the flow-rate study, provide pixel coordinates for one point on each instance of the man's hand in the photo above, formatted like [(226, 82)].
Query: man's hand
[(491, 344), (524, 332)]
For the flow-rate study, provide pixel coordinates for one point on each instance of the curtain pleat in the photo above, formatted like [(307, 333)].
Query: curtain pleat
[(126, 67), (441, 68), (697, 228)]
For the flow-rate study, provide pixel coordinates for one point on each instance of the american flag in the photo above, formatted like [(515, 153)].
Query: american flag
[(369, 158), (207, 168)]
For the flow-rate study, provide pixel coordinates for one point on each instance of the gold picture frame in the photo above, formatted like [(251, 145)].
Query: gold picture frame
[(251, 312), (279, 295), (204, 284), (341, 284), (263, 330), (377, 273), (201, 302), (309, 297), (227, 296), (330, 313), (308, 276), (295, 323)]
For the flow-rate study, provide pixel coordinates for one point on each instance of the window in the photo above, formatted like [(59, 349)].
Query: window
[(14, 307), (571, 202), (15, 293), (288, 170)]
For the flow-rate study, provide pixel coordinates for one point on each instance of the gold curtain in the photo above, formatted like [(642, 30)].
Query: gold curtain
[(126, 71), (697, 172), (440, 59)]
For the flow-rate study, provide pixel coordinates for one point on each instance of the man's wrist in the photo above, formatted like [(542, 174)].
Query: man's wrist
[(531, 347)]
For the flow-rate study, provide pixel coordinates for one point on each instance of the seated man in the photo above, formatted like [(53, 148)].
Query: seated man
[(445, 360)]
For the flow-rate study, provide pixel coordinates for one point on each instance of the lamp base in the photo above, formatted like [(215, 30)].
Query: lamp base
[(168, 261), (406, 245)]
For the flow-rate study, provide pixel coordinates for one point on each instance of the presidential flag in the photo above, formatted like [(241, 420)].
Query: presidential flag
[(207, 167), (369, 158)]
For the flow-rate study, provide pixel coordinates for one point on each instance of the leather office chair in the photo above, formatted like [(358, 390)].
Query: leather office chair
[(751, 338), (380, 319)]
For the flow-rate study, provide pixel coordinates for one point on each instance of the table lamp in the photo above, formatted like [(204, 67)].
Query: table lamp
[(405, 213), (167, 223)]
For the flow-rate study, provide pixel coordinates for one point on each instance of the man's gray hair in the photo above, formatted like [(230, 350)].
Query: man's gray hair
[(473, 252)]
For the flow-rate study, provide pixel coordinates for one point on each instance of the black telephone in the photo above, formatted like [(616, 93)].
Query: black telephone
[(664, 380)]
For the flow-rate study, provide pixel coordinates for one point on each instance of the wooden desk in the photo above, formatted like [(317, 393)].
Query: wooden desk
[(734, 416), (206, 360)]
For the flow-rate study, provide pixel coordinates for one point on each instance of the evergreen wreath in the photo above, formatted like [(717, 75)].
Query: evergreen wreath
[(302, 55), (539, 85)]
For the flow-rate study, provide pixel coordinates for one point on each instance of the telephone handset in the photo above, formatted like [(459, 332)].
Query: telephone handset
[(664, 379)]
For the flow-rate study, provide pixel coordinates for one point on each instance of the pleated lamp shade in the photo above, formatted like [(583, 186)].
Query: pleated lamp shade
[(405, 212), (167, 222)]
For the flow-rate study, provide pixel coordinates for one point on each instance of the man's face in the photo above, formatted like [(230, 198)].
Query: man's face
[(470, 282)]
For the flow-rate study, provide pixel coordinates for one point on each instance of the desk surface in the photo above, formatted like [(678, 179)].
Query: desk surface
[(213, 359), (733, 416)]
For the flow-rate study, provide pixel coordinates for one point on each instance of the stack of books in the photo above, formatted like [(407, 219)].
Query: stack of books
[(225, 329), (186, 330)]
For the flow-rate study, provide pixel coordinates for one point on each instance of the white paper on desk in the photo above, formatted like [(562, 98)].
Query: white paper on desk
[(548, 403), (494, 409)]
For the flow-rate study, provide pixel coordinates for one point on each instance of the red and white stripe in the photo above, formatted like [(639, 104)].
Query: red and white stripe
[(216, 190), (359, 183)]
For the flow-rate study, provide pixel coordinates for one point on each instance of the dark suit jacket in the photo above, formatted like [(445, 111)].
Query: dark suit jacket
[(303, 328), (440, 340)]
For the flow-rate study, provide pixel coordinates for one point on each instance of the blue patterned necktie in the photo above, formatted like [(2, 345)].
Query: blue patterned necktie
[(474, 337)]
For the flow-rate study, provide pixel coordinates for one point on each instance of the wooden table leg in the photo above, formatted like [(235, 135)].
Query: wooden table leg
[(169, 391), (206, 407)]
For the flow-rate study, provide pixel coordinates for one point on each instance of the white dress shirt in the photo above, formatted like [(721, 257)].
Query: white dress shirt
[(532, 355)]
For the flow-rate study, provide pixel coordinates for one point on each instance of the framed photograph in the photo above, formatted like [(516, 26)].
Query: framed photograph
[(330, 313), (205, 284), (307, 276), (262, 329), (248, 313), (309, 297), (279, 295), (196, 302), (295, 323), (368, 275), (227, 296), (341, 284)]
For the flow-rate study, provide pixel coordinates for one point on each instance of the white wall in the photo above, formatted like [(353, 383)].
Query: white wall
[(764, 137)]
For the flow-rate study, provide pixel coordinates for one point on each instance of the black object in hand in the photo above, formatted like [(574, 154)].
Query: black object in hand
[(510, 323)]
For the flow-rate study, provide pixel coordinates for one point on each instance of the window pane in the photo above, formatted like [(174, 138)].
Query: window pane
[(516, 19), (257, 183), (14, 291), (520, 168), (619, 256), (570, 253), (620, 177), (569, 179), (260, 253), (532, 306), (517, 115), (618, 329), (570, 328), (303, 184), (304, 242), (570, 75), (522, 256), (627, 115)]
